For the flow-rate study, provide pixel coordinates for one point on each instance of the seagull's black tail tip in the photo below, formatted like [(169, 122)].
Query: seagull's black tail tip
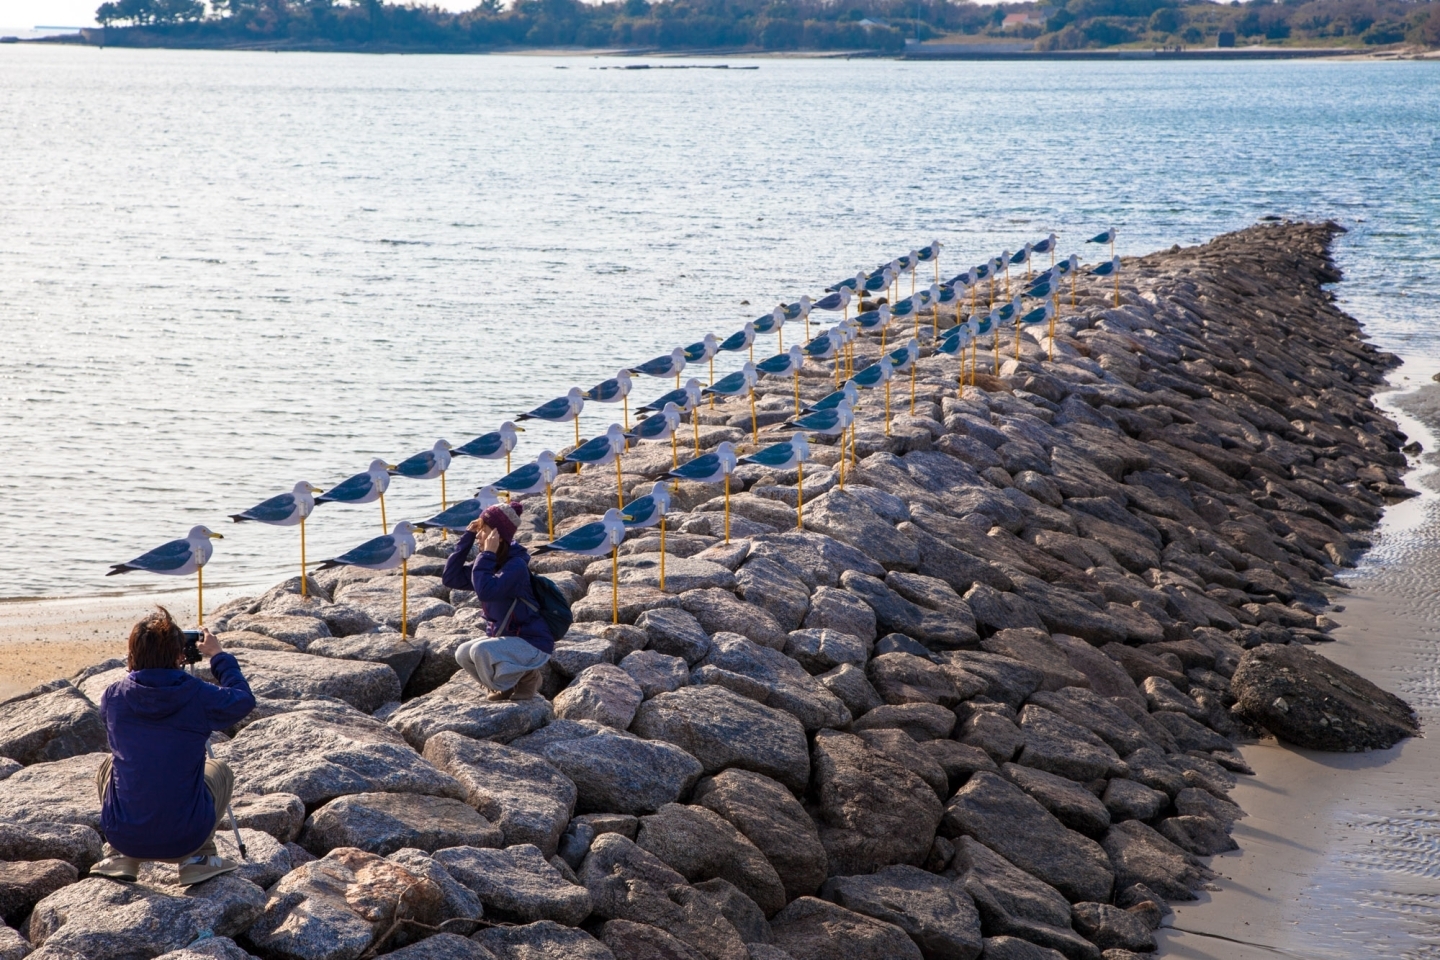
[(329, 565), (119, 568), (239, 517)]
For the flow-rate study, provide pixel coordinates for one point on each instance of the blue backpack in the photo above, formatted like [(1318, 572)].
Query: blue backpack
[(551, 604)]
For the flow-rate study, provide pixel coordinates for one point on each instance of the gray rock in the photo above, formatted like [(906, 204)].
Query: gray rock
[(994, 610), (811, 929), (318, 760), (281, 815), (76, 844), (545, 940), (850, 520), (743, 913), (898, 746), (437, 661), (102, 920), (1017, 827), (22, 885), (1203, 836), (919, 721), (603, 693), (627, 883), (782, 683), (903, 678), (932, 593), (8, 767), (681, 573), (266, 860), (1036, 648), (656, 672), (527, 798), (334, 908), (459, 901), (1073, 805), (380, 598), (818, 649), (1313, 702), (1015, 948), (296, 630), (675, 633), (1005, 679), (295, 676), (958, 760), (211, 948), (993, 733), (873, 811), (517, 884), (1149, 767), (818, 560), (1012, 903), (52, 725), (887, 506), (61, 791), (1109, 927), (459, 705), (719, 611), (960, 570), (899, 643), (1107, 678), (1189, 734), (937, 914), (1058, 746), (382, 823), (833, 608), (1197, 802), (1128, 800), (641, 941), (1161, 694), (849, 683), (399, 655), (578, 652), (1140, 855), (774, 589), (1098, 715), (699, 844), (895, 614), (723, 729), (443, 946), (772, 819), (615, 772)]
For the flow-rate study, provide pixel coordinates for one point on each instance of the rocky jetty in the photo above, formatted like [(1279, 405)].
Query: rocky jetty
[(985, 704)]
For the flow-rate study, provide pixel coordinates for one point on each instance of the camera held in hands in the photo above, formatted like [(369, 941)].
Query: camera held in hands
[(192, 646)]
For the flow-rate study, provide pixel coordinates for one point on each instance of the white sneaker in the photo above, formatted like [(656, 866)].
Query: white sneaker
[(199, 869)]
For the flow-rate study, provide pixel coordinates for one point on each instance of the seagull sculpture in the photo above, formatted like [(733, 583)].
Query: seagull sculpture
[(1046, 246), (427, 465), (702, 351), (178, 558), (385, 553), (1107, 237), (598, 451), (900, 361), (742, 339), (491, 446), (460, 515), (608, 391), (785, 364), (772, 322), (668, 365), (660, 426), (930, 253), (783, 456), (713, 467), (595, 540), (560, 410), (364, 487), (1111, 268), (647, 511), (532, 478), (286, 510), (733, 385)]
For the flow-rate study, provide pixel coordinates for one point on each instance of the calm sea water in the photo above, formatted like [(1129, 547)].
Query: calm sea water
[(224, 272)]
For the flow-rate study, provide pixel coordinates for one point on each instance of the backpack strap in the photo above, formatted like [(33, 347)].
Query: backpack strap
[(506, 622)]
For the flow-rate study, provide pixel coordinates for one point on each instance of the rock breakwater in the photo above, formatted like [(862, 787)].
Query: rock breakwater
[(984, 704)]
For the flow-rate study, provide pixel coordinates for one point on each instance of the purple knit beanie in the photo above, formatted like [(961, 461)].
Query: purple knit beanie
[(503, 518)]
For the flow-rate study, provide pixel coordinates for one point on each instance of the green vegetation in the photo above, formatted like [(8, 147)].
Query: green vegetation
[(758, 24)]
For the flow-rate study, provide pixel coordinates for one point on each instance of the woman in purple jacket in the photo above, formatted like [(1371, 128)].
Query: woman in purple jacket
[(160, 798), (507, 663)]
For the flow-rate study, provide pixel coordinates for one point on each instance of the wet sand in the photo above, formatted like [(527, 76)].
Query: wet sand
[(1340, 853)]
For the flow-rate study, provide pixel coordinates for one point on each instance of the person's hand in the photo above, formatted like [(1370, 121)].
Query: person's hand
[(209, 643), (476, 526), (490, 540)]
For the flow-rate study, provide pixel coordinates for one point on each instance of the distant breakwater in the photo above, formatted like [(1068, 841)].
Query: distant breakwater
[(986, 700)]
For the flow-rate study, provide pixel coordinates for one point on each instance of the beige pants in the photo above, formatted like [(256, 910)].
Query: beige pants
[(498, 663), (218, 777)]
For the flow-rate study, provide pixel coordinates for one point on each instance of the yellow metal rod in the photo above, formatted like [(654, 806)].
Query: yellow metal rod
[(619, 484), (200, 594), (549, 512), (727, 508), (615, 583), (662, 553), (404, 597), (384, 527), (800, 497), (304, 591)]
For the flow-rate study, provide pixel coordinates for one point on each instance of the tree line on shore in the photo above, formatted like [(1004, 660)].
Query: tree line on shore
[(883, 25)]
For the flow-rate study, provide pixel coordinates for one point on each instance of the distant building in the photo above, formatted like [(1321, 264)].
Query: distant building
[(1013, 20), (871, 22), (1225, 39)]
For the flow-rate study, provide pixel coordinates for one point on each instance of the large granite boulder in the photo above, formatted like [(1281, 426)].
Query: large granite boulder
[(385, 822), (873, 811), (318, 760), (847, 518), (523, 794), (720, 611), (775, 590), (811, 929), (937, 913), (701, 845), (52, 725), (75, 844), (1012, 903), (517, 884), (1312, 702), (1016, 826), (622, 773), (772, 678), (295, 676), (24, 884), (774, 821), (401, 655), (542, 940), (1140, 855), (723, 729), (281, 815), (61, 791), (459, 705), (675, 633), (603, 693)]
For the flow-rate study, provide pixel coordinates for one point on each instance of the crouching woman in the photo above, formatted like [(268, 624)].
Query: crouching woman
[(508, 661)]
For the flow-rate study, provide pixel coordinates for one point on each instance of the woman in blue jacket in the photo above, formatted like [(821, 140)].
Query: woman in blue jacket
[(160, 797), (518, 643)]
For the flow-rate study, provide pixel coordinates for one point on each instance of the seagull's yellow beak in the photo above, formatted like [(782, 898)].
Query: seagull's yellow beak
[(316, 490), (624, 517), (215, 536), (390, 466), (519, 429)]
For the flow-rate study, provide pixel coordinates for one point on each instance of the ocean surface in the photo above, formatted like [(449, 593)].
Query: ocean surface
[(224, 272)]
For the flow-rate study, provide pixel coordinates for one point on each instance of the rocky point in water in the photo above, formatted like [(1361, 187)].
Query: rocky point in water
[(985, 703)]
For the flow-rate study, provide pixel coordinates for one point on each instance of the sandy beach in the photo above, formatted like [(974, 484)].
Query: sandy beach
[(1339, 850)]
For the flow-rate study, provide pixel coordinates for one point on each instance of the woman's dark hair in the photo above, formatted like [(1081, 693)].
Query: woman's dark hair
[(502, 553), (155, 642)]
